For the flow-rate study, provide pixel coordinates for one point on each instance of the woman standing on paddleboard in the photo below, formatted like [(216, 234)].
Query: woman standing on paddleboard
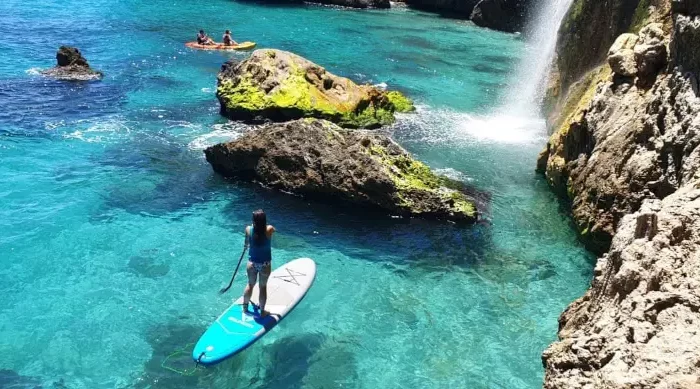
[(258, 237)]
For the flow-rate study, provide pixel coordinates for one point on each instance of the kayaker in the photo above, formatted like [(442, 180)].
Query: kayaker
[(257, 238), (203, 39), (228, 41)]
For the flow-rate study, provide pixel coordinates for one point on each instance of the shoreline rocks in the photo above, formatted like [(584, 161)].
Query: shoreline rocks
[(72, 66), (626, 154), (275, 85), (320, 160)]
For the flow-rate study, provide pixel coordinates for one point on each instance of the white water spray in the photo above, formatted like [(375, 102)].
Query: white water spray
[(527, 90), (519, 119)]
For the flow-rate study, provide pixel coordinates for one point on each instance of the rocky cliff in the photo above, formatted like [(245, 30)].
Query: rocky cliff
[(625, 110)]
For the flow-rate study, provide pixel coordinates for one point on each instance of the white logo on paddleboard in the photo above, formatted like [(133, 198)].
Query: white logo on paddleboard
[(244, 320)]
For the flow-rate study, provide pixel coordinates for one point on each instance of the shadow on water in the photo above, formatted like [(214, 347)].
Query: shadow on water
[(363, 233), (308, 360), (172, 345)]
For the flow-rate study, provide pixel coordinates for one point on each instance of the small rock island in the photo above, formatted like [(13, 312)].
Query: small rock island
[(72, 66), (275, 85), (320, 160)]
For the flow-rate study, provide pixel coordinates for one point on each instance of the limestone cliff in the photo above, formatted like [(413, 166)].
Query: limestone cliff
[(625, 110)]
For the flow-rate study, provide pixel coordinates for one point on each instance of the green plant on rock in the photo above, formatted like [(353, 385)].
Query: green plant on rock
[(297, 96), (411, 175), (400, 102)]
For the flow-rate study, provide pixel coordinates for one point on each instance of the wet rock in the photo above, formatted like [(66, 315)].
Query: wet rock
[(638, 326), (461, 8), (72, 66), (320, 160), (504, 15), (278, 86)]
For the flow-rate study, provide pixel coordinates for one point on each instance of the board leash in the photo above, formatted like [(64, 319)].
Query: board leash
[(184, 372)]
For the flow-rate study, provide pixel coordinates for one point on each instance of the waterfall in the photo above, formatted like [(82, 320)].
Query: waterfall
[(519, 119), (527, 90)]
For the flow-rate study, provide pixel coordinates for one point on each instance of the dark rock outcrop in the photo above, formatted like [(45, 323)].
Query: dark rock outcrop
[(277, 85), (627, 156), (356, 3), (340, 3), (322, 161), (458, 8), (504, 15), (72, 66)]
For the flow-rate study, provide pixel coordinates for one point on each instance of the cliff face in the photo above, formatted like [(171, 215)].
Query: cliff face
[(626, 153)]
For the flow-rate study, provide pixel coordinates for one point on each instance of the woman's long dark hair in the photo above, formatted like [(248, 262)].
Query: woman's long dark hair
[(259, 226)]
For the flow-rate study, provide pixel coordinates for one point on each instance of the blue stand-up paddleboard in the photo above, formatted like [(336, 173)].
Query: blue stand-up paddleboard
[(235, 330)]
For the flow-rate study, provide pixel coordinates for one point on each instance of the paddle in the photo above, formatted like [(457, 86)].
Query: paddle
[(224, 290)]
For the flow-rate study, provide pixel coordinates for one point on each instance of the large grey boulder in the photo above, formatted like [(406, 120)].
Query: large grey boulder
[(321, 161)]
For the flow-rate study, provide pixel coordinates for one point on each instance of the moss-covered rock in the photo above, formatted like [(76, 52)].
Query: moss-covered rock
[(278, 86), (320, 160)]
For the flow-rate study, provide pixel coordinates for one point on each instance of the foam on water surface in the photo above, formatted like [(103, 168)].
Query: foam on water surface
[(115, 234)]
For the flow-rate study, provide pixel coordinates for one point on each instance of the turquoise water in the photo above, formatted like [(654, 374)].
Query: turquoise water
[(115, 235)]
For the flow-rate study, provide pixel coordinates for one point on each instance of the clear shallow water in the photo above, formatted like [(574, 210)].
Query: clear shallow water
[(115, 235)]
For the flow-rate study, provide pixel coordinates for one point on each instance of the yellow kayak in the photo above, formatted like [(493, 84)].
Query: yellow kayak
[(220, 46)]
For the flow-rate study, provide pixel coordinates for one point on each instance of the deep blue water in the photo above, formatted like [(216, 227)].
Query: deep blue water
[(115, 235)]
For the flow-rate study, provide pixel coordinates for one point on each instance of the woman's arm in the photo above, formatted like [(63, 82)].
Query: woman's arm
[(246, 242), (270, 231)]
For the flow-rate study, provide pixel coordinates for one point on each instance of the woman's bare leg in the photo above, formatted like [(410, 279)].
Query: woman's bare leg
[(264, 275), (248, 291)]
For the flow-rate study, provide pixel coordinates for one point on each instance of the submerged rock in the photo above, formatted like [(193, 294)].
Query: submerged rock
[(72, 66), (320, 160), (278, 86)]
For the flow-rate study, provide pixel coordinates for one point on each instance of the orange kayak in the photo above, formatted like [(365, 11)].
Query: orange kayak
[(220, 46)]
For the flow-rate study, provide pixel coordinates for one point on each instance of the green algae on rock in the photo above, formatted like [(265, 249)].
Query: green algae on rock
[(320, 160), (279, 86)]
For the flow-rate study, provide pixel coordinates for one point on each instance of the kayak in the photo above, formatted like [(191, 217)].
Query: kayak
[(220, 46), (235, 330)]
